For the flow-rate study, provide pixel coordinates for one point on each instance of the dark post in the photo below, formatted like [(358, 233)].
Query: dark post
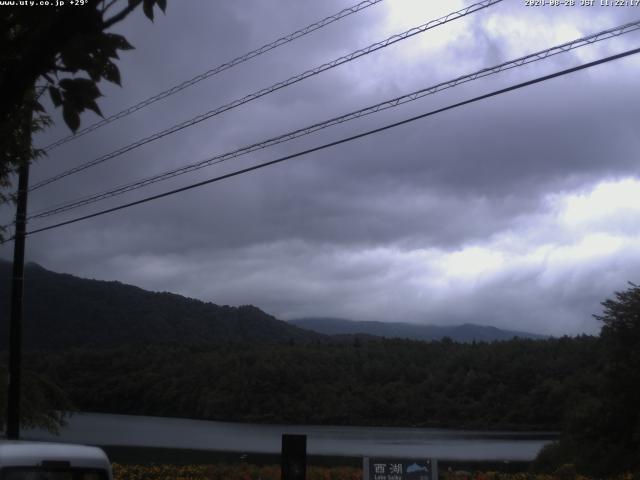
[(15, 334), (294, 457)]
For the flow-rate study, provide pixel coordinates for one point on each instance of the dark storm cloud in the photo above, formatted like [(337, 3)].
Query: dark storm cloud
[(453, 218)]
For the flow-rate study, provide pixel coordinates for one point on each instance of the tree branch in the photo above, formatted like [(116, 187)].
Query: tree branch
[(108, 5), (118, 17)]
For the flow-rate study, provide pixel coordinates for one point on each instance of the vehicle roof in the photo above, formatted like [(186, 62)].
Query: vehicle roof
[(29, 454)]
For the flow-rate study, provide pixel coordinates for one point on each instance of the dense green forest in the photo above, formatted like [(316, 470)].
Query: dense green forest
[(522, 384)]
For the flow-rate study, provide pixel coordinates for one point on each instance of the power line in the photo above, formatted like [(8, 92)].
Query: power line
[(214, 71), (277, 86), (540, 55), (341, 141)]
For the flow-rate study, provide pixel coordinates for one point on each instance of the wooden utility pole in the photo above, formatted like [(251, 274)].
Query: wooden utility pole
[(15, 333)]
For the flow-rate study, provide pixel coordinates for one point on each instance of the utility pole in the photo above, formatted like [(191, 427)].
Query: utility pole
[(15, 333)]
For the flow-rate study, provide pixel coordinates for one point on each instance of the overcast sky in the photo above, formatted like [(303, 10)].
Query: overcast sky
[(520, 211)]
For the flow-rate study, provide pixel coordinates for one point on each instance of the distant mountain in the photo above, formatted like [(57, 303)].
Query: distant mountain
[(459, 333), (63, 311)]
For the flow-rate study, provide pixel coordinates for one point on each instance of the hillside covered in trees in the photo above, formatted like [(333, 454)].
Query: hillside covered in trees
[(116, 348), (63, 311), (521, 384)]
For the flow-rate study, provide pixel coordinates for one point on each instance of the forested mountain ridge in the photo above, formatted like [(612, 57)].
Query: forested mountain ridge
[(63, 311), (120, 349), (467, 332)]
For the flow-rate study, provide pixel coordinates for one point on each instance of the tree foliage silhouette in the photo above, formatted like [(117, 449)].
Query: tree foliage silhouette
[(602, 431), (621, 394), (64, 51)]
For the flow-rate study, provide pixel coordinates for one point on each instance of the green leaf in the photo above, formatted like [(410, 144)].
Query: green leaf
[(118, 41), (79, 94), (75, 55), (111, 73), (71, 117), (162, 4), (56, 98), (147, 8), (93, 106), (94, 71), (83, 86)]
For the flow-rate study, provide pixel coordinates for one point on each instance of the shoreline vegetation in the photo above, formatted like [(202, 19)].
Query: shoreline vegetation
[(517, 385)]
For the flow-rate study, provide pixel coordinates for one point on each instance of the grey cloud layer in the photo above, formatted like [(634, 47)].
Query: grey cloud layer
[(357, 230)]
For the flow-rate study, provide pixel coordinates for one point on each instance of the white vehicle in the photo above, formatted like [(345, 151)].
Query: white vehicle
[(52, 461)]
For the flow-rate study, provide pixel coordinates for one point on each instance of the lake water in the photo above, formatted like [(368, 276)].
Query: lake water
[(126, 430)]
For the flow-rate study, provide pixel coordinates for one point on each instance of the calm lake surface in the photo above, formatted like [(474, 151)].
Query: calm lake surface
[(127, 430)]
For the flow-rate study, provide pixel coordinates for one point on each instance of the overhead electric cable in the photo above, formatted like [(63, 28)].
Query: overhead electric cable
[(214, 71), (277, 86), (540, 55), (341, 141)]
